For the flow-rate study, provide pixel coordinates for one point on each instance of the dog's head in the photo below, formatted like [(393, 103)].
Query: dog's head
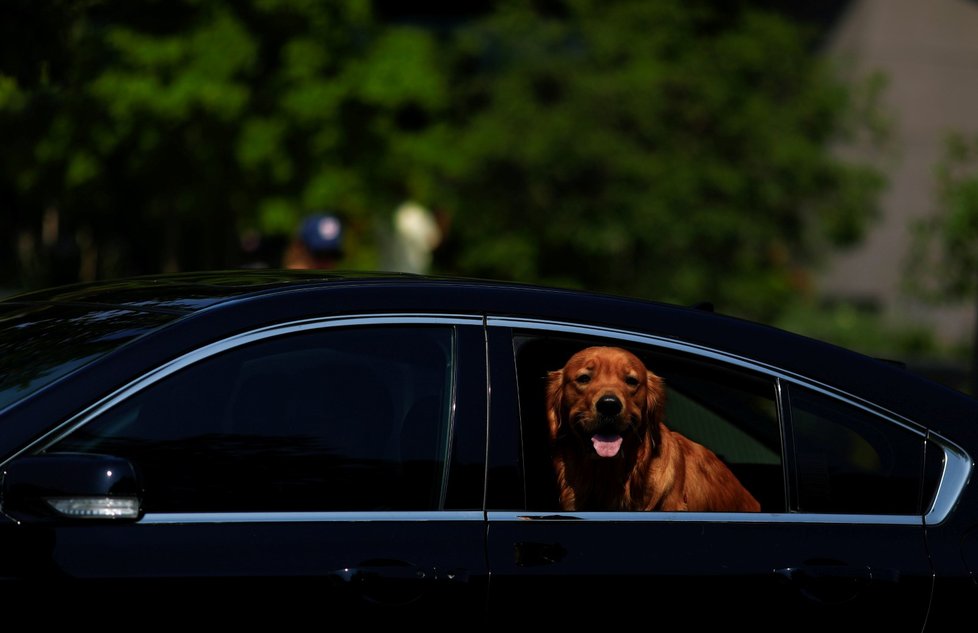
[(605, 397)]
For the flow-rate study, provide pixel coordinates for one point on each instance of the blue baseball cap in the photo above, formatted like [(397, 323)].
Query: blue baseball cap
[(322, 233)]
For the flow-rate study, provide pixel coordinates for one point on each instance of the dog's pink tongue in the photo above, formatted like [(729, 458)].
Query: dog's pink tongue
[(606, 445)]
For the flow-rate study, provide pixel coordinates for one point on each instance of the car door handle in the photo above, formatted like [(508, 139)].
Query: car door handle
[(834, 584), (842, 572)]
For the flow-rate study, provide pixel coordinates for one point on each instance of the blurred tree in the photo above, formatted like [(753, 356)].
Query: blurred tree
[(943, 261), (155, 133), (678, 150), (33, 57)]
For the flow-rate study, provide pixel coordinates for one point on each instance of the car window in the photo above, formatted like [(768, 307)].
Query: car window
[(327, 419), (731, 411), (850, 461), (842, 459)]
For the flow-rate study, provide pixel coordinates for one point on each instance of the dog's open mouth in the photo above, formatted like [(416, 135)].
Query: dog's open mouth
[(606, 444)]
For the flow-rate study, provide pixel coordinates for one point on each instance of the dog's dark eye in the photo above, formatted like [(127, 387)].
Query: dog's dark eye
[(631, 381), (583, 379)]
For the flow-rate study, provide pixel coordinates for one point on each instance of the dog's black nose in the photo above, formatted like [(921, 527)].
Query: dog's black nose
[(609, 405)]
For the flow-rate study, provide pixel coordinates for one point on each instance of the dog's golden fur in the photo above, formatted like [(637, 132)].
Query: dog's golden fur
[(613, 451)]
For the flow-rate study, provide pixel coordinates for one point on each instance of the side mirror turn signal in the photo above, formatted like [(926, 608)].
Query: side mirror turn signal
[(60, 487)]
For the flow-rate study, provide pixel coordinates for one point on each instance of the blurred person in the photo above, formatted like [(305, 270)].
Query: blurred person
[(317, 245), (416, 234)]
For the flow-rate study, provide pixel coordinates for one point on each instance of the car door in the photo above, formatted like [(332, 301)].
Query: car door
[(839, 539), (310, 469)]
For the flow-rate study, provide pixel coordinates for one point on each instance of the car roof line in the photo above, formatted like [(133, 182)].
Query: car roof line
[(105, 306)]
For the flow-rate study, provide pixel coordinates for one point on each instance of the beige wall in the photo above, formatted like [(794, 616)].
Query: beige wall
[(928, 49)]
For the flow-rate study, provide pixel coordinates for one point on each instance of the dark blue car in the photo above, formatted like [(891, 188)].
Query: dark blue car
[(258, 445)]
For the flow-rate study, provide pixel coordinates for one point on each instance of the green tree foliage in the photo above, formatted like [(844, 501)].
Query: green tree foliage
[(677, 150), (663, 149), (169, 128), (943, 264), (943, 261)]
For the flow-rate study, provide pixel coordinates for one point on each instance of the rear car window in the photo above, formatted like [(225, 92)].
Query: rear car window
[(849, 461), (827, 456), (731, 411)]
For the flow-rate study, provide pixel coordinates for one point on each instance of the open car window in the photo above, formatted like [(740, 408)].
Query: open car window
[(795, 449), (732, 412)]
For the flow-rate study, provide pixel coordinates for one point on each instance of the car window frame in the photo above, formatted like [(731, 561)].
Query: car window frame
[(475, 323), (956, 463)]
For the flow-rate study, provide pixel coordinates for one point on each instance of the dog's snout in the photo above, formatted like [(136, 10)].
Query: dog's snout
[(608, 405)]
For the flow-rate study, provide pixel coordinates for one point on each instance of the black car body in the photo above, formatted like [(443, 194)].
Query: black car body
[(263, 444)]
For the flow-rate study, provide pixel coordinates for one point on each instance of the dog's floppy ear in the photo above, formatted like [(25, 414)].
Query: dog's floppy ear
[(555, 400), (655, 399)]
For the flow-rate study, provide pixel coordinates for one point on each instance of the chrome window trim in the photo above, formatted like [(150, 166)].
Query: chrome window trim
[(956, 472), (356, 516), (185, 518), (201, 353), (957, 466), (701, 517), (712, 354)]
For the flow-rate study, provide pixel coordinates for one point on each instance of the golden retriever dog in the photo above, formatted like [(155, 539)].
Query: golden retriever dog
[(612, 450)]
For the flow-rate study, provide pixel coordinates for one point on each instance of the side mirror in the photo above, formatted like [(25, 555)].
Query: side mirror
[(60, 487)]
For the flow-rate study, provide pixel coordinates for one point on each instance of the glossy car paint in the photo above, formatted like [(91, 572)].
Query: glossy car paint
[(486, 555)]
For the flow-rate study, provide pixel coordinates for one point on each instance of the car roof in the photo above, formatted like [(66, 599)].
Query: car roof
[(189, 293), (204, 302), (186, 292)]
